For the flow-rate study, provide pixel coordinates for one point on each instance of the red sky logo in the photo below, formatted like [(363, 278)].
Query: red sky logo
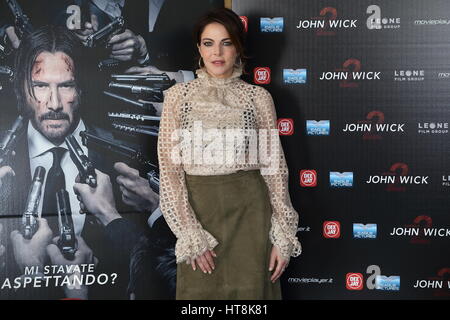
[(261, 75), (244, 20), (354, 281), (331, 229), (285, 126), (308, 178)]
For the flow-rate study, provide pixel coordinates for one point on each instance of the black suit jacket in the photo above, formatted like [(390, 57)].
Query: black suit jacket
[(112, 258)]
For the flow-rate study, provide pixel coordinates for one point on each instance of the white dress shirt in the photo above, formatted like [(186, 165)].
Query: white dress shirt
[(40, 155)]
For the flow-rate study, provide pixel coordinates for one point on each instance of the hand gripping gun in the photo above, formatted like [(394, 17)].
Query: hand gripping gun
[(84, 165), (29, 221)]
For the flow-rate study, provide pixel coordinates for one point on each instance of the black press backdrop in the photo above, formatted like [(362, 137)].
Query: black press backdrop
[(402, 48)]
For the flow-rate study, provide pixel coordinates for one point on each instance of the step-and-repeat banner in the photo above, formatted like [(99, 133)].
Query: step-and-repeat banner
[(87, 113), (362, 93)]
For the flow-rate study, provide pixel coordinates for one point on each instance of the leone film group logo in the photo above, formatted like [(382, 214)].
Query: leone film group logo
[(409, 75), (432, 127), (446, 180)]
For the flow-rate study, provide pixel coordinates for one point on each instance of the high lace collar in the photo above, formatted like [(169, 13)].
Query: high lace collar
[(219, 82)]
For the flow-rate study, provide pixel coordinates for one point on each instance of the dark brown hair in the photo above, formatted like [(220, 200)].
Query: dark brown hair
[(45, 39), (232, 24)]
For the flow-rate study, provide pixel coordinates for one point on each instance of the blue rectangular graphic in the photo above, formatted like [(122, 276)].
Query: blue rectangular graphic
[(391, 283), (340, 180), (272, 24), (364, 231), (294, 76), (317, 128)]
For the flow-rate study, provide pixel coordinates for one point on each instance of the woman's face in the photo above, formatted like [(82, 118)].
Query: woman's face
[(218, 52)]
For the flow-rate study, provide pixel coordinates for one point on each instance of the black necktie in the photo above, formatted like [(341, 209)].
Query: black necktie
[(55, 182)]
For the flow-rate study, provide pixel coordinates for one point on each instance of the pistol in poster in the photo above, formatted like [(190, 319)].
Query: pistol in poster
[(84, 165), (5, 47), (9, 141), (101, 37), (22, 22), (144, 104), (155, 94), (133, 116), (160, 81), (30, 214), (67, 242), (148, 170), (108, 64), (7, 72), (128, 128)]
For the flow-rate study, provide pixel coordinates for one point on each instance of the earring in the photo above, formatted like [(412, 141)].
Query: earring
[(200, 63), (238, 65)]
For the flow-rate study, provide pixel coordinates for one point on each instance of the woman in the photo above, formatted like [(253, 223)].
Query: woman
[(231, 213)]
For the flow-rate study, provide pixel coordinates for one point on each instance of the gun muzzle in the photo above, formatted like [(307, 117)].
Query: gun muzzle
[(7, 71), (134, 89), (29, 222), (67, 242), (108, 64), (8, 143), (84, 165), (147, 130), (133, 116), (144, 105), (102, 35), (153, 180), (158, 81)]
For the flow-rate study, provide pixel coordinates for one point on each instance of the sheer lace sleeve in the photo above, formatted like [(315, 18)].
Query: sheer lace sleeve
[(192, 239), (275, 173)]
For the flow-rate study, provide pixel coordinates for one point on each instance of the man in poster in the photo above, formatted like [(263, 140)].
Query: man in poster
[(50, 94), (48, 86)]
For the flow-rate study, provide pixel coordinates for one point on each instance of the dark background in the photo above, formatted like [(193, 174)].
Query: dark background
[(410, 47)]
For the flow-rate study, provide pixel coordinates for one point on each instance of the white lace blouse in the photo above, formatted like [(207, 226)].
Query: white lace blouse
[(212, 126)]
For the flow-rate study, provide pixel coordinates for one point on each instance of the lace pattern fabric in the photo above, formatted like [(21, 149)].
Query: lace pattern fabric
[(209, 109)]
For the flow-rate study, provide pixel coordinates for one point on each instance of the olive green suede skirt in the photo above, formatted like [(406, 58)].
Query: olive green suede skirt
[(236, 210)]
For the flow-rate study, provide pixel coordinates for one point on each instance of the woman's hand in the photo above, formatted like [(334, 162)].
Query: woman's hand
[(276, 260), (205, 261)]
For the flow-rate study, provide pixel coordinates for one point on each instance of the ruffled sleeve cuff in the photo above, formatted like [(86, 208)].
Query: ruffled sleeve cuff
[(193, 244), (288, 244)]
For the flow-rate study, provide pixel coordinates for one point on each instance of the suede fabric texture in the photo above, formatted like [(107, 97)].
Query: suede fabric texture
[(235, 208)]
